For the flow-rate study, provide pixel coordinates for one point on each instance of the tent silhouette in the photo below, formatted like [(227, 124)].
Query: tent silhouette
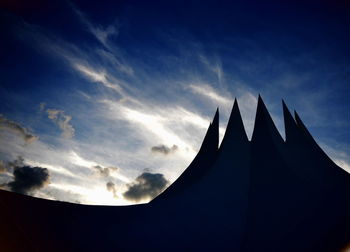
[(266, 194)]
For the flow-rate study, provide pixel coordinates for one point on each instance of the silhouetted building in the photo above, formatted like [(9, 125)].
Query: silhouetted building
[(266, 194)]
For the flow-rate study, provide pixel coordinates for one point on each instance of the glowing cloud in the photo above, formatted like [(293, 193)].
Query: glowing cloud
[(63, 122), (6, 124)]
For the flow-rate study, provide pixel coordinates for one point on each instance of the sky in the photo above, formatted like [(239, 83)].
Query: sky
[(107, 103)]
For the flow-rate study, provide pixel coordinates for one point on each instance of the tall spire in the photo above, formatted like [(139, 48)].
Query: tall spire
[(201, 163), (211, 139), (291, 128), (304, 130), (306, 136), (264, 126), (235, 131), (215, 128), (325, 166)]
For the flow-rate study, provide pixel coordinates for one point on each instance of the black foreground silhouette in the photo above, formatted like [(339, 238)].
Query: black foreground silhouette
[(266, 194)]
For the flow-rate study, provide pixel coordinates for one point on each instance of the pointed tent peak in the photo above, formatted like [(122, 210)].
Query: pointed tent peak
[(216, 116), (306, 136), (261, 104), (235, 106), (261, 108), (235, 131), (302, 126), (235, 121), (297, 119), (290, 126), (200, 164), (286, 111), (215, 122), (264, 124), (211, 139), (261, 101), (300, 122), (284, 104), (304, 129)]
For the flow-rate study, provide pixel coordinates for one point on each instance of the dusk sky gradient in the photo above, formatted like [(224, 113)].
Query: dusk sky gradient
[(117, 96)]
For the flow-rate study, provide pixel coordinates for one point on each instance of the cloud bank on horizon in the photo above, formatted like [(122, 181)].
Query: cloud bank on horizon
[(109, 105)]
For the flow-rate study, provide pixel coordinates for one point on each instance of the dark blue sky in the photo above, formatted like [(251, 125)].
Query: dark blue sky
[(102, 83)]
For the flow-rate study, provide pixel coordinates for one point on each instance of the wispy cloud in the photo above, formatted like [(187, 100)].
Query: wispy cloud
[(99, 77), (78, 160), (163, 149), (208, 92), (100, 33), (105, 171), (159, 123), (63, 121), (6, 124), (103, 34), (99, 64), (214, 65), (246, 99)]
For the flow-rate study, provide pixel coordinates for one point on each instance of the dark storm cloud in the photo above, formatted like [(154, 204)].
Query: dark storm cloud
[(28, 179), (146, 186), (15, 127), (111, 188), (105, 171), (164, 149)]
